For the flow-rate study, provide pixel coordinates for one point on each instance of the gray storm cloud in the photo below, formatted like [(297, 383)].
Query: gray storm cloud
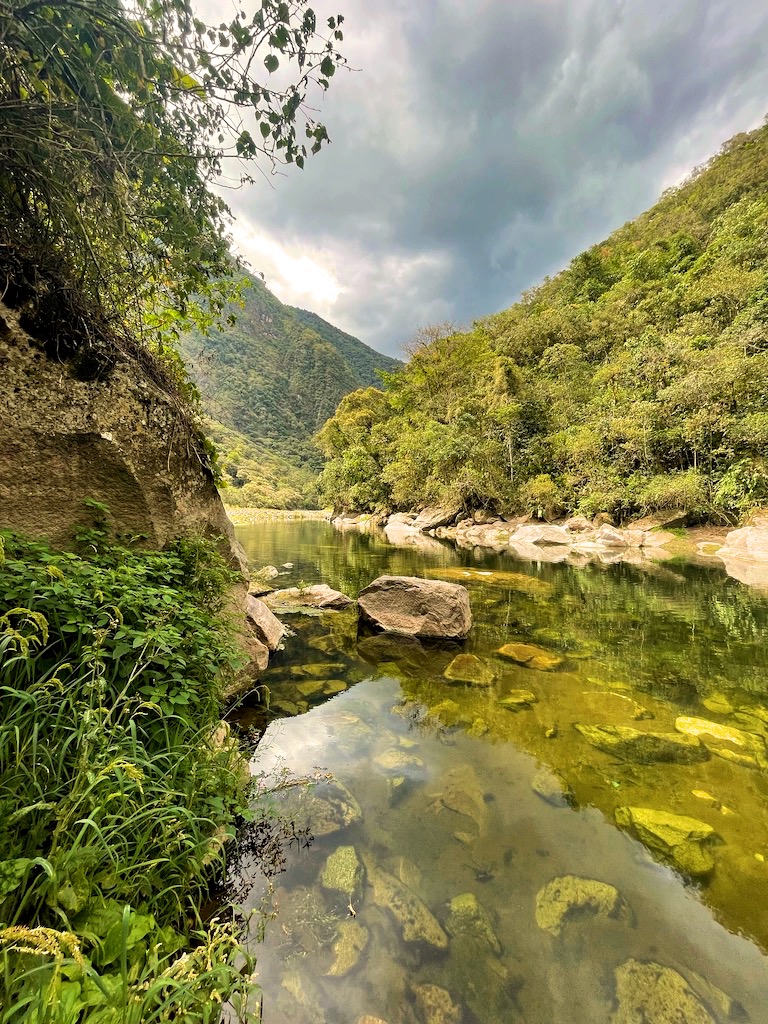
[(479, 147)]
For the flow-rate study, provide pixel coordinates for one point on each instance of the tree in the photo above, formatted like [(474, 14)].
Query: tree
[(118, 117)]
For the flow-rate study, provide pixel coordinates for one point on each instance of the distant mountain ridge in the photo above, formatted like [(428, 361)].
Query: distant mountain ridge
[(274, 377)]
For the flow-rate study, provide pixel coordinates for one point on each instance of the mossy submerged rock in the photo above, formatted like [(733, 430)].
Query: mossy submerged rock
[(348, 947), (325, 808), (468, 668), (649, 993), (531, 656), (449, 713), (343, 872), (467, 917), (726, 741), (644, 747), (569, 897), (416, 921), (685, 842), (517, 700), (436, 1005)]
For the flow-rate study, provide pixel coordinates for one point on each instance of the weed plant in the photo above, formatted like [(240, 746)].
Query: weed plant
[(118, 785)]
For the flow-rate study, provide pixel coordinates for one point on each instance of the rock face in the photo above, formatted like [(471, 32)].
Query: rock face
[(683, 841), (569, 897), (415, 607), (644, 747), (648, 993), (106, 429), (267, 627)]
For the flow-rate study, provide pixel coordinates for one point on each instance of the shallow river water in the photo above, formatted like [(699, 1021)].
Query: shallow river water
[(467, 864)]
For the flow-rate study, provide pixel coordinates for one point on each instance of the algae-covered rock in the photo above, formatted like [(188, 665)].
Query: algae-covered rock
[(343, 872), (569, 897), (468, 668), (531, 656), (416, 921), (516, 700), (482, 981), (726, 741), (449, 713), (644, 747), (478, 728), (399, 761), (467, 917), (686, 842), (462, 794), (350, 943), (552, 788), (324, 808), (436, 1005), (718, 704), (649, 993)]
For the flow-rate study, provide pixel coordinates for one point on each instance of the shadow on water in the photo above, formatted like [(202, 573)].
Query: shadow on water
[(440, 886)]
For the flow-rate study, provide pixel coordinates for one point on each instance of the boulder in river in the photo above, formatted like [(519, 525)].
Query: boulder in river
[(569, 897), (649, 993), (319, 595), (644, 747), (541, 534), (416, 921), (468, 668), (416, 607), (685, 842), (531, 656)]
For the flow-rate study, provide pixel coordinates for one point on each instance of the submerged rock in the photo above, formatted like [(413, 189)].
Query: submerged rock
[(569, 897), (436, 1005), (531, 656), (684, 841), (468, 668), (461, 793), (324, 809), (718, 704), (399, 762), (449, 713), (467, 917), (516, 700), (726, 741), (476, 974), (416, 607), (416, 921), (350, 944), (644, 747), (649, 993), (319, 595), (552, 788), (343, 872)]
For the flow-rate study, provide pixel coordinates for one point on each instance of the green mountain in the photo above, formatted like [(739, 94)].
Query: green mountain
[(635, 380), (268, 383)]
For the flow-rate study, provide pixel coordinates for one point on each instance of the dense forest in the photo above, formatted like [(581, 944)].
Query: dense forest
[(635, 380), (268, 382)]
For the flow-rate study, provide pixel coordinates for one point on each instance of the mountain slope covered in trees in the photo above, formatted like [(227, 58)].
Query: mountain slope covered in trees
[(634, 380), (268, 382)]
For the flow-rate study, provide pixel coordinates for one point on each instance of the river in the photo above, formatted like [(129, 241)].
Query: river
[(442, 882)]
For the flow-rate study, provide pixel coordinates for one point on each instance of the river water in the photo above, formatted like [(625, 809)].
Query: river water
[(455, 820)]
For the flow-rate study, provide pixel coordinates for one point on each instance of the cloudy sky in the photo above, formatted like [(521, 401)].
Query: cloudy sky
[(481, 145)]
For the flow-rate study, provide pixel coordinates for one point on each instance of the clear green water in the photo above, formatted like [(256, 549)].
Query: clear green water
[(450, 809)]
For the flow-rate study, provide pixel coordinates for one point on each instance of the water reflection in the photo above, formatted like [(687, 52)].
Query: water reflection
[(473, 801)]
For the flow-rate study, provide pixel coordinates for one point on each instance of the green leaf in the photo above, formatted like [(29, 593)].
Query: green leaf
[(271, 63)]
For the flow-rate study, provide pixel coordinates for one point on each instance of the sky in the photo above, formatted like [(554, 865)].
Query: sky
[(479, 146)]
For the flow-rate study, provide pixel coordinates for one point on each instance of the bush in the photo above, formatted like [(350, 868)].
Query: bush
[(117, 792), (686, 490), (541, 497)]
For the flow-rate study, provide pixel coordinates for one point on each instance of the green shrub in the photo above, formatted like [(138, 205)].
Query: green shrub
[(541, 497)]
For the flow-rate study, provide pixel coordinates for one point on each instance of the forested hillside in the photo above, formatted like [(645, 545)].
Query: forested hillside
[(274, 377), (634, 380)]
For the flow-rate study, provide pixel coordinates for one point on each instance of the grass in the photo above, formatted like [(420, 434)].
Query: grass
[(118, 786)]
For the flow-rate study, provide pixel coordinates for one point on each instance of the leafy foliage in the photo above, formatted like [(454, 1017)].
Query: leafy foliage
[(635, 380), (116, 793), (274, 377), (117, 119)]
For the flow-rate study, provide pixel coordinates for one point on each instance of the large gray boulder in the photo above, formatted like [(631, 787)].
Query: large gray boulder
[(750, 542), (541, 533), (415, 607), (431, 518), (267, 627)]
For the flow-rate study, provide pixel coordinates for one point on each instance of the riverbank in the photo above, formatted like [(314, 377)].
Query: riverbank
[(743, 552), (247, 516)]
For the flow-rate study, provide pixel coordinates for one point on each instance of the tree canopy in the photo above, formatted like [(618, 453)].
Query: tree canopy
[(117, 119)]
